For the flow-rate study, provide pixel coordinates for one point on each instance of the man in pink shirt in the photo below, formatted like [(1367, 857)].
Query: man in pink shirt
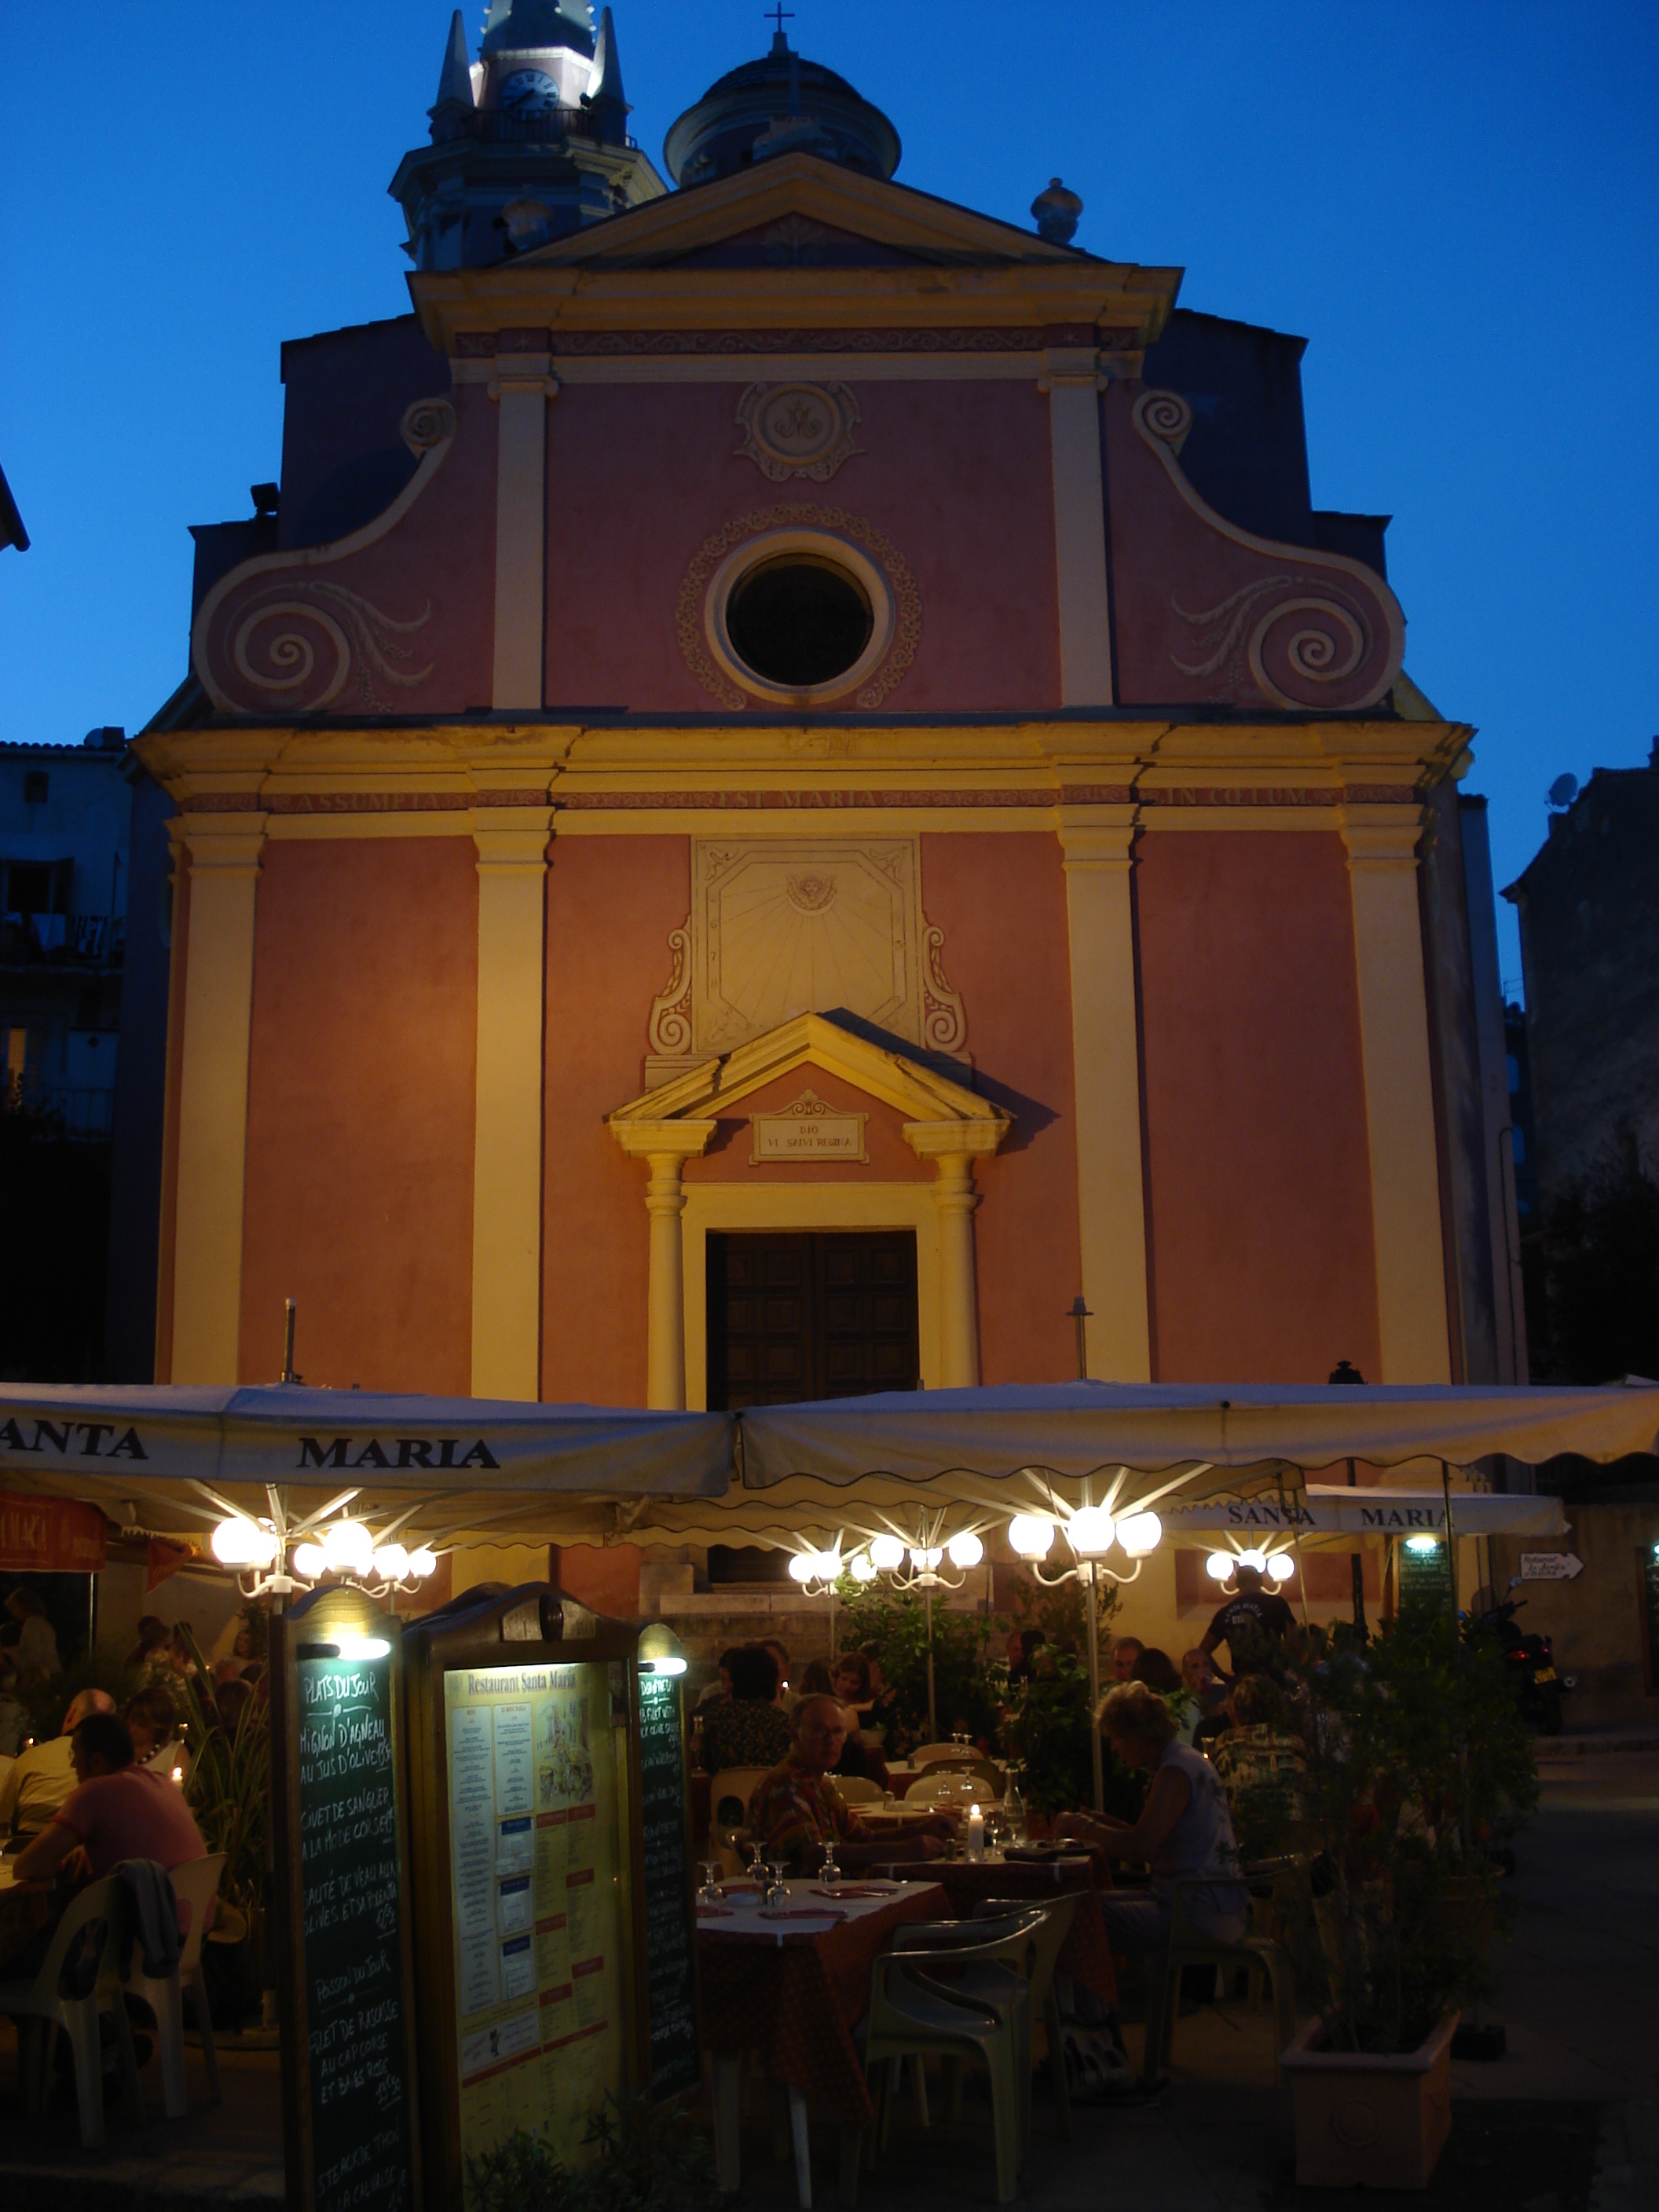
[(120, 1811)]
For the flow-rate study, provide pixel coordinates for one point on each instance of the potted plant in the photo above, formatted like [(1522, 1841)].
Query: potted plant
[(229, 1793), (1418, 1766)]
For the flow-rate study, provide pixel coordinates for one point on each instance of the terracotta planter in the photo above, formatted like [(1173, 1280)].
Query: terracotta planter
[(1375, 2123)]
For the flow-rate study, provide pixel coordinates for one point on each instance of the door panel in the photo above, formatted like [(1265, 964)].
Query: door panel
[(811, 1314)]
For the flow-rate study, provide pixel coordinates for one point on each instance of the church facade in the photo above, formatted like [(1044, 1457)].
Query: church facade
[(795, 784)]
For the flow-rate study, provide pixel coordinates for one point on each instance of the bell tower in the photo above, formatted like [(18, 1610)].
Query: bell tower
[(527, 143)]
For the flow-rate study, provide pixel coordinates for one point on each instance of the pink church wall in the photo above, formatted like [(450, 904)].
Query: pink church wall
[(957, 474), (891, 1160), (1000, 900), (360, 1133), (611, 905), (1258, 1167)]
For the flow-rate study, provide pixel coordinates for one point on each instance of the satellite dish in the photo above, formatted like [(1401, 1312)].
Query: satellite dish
[(1564, 791)]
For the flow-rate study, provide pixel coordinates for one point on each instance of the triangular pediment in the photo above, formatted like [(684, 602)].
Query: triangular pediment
[(920, 1093), (870, 211)]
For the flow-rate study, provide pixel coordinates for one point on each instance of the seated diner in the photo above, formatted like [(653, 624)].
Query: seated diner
[(748, 1729), (796, 1809), (1184, 1829)]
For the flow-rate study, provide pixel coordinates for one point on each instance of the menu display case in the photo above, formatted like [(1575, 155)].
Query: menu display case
[(528, 1839)]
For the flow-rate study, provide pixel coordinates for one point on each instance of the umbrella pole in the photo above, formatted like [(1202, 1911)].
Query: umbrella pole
[(933, 1708), (832, 1628), (1094, 1689)]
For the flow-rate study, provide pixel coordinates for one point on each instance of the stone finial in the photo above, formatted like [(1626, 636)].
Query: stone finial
[(1056, 213)]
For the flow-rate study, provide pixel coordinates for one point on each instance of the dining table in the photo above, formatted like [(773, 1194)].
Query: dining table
[(791, 1978)]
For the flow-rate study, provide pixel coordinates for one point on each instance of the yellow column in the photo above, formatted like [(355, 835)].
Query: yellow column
[(521, 388), (1096, 842), (506, 1161), (224, 852), (1072, 378), (953, 1147), (664, 1146), (1393, 1024)]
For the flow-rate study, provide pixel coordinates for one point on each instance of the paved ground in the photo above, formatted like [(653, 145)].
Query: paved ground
[(1568, 2122)]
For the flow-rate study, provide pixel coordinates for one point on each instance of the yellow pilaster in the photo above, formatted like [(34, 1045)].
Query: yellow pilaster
[(1393, 1021), (506, 1168), (1073, 381), (521, 388), (223, 859), (665, 1146), (1106, 1056), (953, 1147)]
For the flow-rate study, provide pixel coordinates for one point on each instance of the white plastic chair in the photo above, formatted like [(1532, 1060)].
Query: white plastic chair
[(195, 1884), (41, 2007), (857, 1788), (926, 1754), (738, 1782), (913, 2013)]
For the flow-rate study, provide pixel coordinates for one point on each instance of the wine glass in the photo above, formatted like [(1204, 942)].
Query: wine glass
[(777, 1889), (831, 1877), (710, 1874)]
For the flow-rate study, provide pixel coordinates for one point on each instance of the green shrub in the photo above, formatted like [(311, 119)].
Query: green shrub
[(640, 2159), (968, 1685)]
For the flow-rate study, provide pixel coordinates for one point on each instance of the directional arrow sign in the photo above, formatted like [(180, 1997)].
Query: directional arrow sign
[(1550, 1566)]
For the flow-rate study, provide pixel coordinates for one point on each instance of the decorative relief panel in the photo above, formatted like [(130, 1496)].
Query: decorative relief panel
[(781, 927), (798, 429)]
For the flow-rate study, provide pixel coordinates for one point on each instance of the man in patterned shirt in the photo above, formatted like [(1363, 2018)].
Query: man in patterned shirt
[(796, 1809)]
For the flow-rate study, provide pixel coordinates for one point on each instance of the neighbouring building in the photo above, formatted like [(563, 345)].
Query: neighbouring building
[(65, 822), (790, 778), (1589, 908)]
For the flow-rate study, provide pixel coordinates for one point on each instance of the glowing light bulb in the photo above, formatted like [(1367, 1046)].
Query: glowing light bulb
[(309, 1564), (801, 1567), (1421, 1544), (364, 1647), (965, 1550), (1090, 1531), (1281, 1566), (347, 1547), (1139, 1533), (1258, 1559), (886, 1553), (1031, 1534), (240, 1542), (422, 1563), (391, 1561), (826, 1565), (924, 1562), (1218, 1566), (862, 1567)]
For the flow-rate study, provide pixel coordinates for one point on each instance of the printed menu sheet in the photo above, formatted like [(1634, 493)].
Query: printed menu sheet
[(535, 1856)]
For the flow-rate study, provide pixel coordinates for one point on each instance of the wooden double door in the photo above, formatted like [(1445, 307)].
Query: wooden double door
[(811, 1314)]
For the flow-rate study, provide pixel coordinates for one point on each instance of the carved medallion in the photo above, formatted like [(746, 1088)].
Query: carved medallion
[(798, 429), (811, 1129)]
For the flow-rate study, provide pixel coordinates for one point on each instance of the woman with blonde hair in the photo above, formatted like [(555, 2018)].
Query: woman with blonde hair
[(1183, 1830)]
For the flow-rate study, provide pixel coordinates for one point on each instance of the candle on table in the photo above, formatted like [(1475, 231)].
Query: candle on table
[(975, 1832)]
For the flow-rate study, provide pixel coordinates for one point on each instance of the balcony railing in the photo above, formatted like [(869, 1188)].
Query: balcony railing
[(84, 1114), (71, 939), (494, 126)]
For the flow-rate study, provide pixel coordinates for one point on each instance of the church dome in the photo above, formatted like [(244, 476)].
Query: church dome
[(781, 104)]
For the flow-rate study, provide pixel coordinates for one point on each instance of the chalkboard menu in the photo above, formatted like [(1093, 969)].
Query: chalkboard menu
[(348, 2069), (1425, 1577), (671, 1958), (1648, 1560)]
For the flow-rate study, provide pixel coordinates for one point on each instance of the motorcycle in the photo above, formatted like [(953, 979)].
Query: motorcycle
[(1529, 1661)]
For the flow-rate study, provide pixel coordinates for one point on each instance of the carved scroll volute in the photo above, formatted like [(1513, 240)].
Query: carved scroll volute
[(1239, 618), (945, 1020), (286, 633), (670, 1027)]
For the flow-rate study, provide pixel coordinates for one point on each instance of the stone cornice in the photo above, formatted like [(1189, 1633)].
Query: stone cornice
[(760, 767)]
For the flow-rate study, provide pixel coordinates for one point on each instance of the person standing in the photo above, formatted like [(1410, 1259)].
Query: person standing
[(1253, 1625), (748, 1729), (35, 1652)]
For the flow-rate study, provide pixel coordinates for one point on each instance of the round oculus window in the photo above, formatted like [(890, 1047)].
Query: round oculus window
[(799, 615), (799, 620)]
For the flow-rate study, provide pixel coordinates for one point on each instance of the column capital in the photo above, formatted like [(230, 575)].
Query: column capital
[(1385, 836), (1099, 836), (512, 840), (663, 1140), (523, 371), (945, 1142), (1072, 365), (222, 844)]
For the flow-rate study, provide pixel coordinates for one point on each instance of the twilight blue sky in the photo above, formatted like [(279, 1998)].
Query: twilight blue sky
[(1455, 205)]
